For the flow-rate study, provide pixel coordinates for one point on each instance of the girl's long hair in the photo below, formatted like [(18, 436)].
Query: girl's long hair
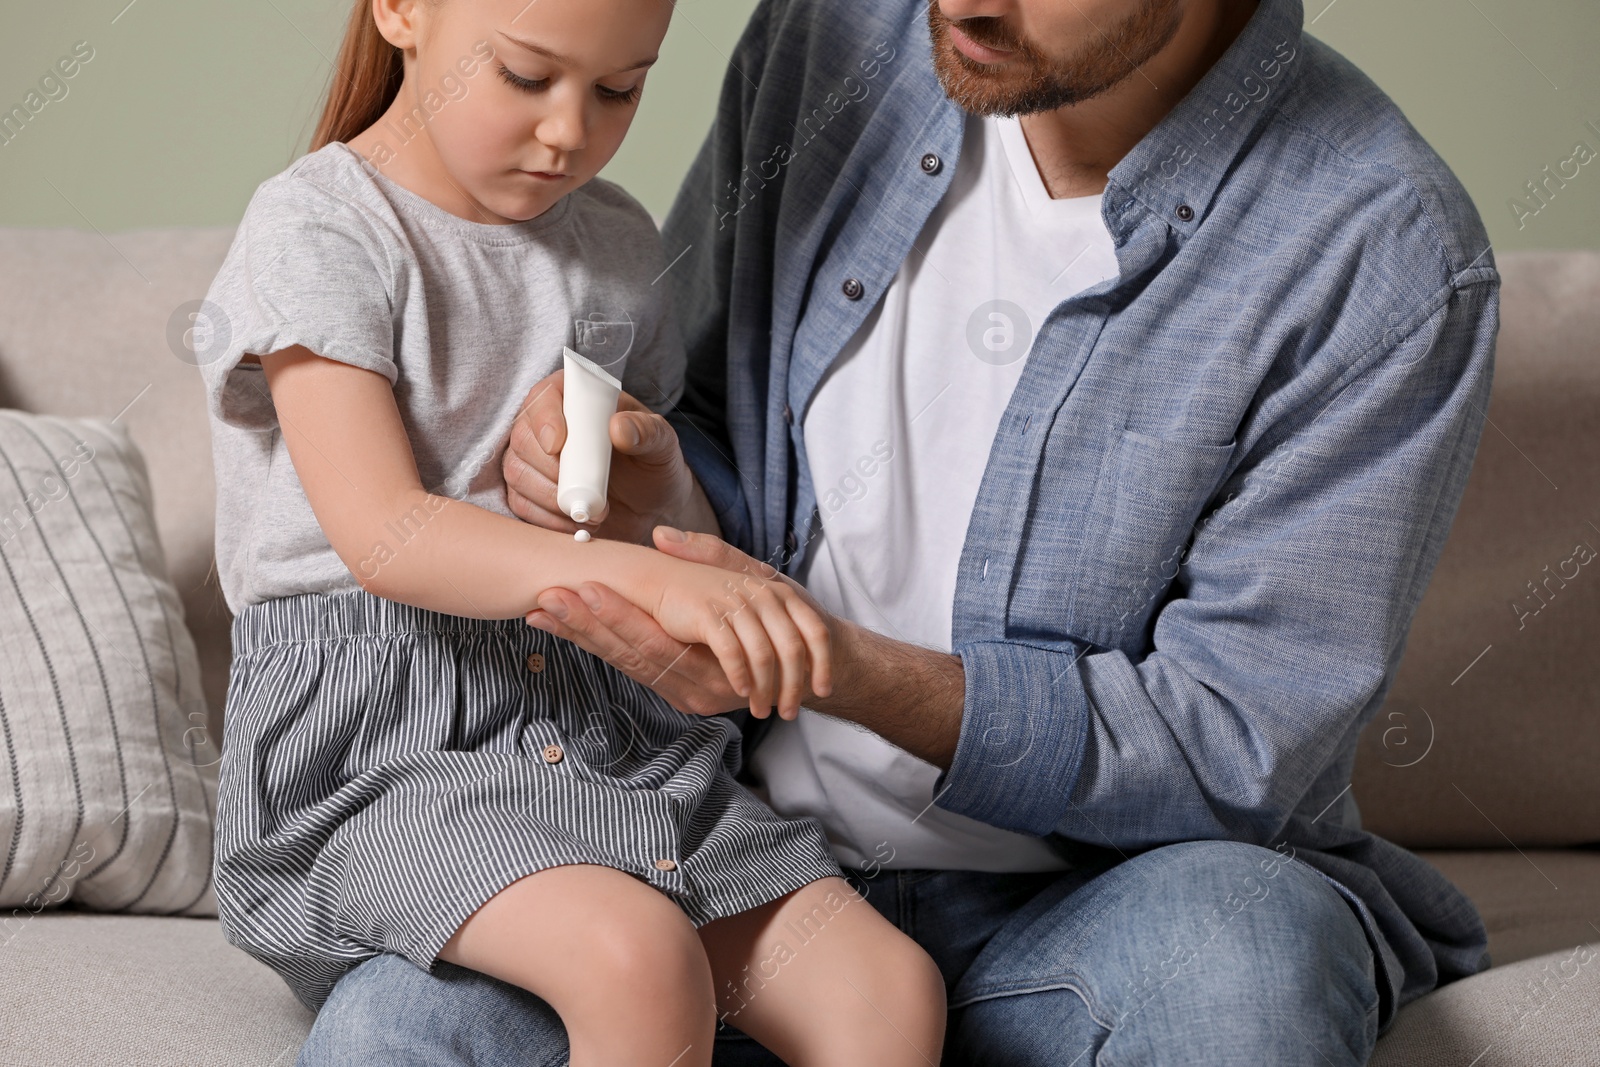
[(366, 79)]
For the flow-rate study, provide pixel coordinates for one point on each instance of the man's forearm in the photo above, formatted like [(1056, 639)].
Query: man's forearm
[(909, 695)]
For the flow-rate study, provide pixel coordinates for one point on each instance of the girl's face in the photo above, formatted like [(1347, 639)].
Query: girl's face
[(522, 100)]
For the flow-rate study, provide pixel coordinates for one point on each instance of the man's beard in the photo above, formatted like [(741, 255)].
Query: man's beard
[(1031, 81)]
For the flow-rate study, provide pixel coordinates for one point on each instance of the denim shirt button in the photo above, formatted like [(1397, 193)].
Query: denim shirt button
[(931, 164), (791, 541), (852, 289), (788, 414), (1185, 212)]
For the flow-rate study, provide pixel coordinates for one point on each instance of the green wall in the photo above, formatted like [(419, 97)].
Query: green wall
[(187, 104)]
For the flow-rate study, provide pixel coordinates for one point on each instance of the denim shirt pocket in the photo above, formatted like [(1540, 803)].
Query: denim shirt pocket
[(1141, 516)]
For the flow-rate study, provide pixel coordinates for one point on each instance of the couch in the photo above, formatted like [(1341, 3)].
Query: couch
[(1483, 757)]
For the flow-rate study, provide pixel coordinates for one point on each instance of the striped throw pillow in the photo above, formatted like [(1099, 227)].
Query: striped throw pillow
[(107, 777)]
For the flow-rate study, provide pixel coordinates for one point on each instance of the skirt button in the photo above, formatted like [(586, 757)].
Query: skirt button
[(666, 865), (535, 662), (553, 753)]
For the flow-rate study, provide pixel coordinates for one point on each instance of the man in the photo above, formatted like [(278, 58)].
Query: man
[(1110, 370)]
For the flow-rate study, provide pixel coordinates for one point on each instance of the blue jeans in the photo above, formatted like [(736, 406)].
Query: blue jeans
[(1207, 952)]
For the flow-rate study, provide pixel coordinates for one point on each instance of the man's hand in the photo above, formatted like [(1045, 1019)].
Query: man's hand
[(598, 620), (688, 676), (911, 696), (650, 482)]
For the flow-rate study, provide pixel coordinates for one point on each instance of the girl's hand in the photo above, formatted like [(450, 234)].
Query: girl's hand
[(690, 672), (770, 639)]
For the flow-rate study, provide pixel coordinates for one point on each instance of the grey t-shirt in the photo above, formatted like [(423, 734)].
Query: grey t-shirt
[(462, 317)]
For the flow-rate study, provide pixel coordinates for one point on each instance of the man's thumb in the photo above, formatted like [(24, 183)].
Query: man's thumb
[(645, 436)]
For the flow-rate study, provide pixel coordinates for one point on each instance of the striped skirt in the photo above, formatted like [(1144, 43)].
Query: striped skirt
[(387, 769)]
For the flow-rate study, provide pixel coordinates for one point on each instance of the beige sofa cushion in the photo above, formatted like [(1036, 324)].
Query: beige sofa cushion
[(1541, 1011), (91, 990), (1532, 902), (84, 330), (1490, 736), (172, 991)]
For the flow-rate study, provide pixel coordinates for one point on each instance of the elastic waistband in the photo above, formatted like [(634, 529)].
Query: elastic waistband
[(350, 613)]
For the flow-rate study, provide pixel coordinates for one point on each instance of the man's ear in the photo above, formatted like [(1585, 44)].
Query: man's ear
[(399, 21)]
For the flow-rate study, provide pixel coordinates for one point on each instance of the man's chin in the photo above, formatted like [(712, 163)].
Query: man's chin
[(1030, 82), (980, 90), (1010, 100)]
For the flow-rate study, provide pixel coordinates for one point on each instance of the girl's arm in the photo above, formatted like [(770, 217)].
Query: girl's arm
[(344, 434)]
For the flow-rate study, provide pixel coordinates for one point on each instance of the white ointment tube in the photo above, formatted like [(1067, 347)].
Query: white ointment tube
[(589, 401)]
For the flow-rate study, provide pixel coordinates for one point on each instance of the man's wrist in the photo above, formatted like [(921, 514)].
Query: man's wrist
[(909, 695), (844, 648)]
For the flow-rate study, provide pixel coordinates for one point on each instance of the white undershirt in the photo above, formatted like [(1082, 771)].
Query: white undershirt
[(898, 437)]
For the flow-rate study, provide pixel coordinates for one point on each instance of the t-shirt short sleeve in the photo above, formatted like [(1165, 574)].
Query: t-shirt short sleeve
[(308, 268)]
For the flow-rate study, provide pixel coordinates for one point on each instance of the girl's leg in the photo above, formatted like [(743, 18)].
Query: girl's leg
[(615, 957), (820, 978)]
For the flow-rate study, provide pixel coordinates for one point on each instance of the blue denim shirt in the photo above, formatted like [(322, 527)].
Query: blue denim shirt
[(1225, 476)]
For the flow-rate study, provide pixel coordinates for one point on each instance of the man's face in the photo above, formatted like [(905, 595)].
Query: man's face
[(1016, 57)]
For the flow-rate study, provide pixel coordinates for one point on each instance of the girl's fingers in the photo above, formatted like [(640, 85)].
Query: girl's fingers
[(744, 620), (818, 641), (724, 643), (790, 647)]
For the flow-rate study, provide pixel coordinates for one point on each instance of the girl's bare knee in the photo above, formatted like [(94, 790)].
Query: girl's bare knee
[(582, 936), (896, 1008), (650, 952), (617, 960), (642, 990), (907, 985)]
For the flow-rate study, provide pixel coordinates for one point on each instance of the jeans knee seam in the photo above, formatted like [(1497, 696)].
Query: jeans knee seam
[(1071, 982), (1062, 979)]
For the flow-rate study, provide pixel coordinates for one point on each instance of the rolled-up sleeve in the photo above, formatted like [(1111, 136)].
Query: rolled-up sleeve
[(1287, 619), (306, 268)]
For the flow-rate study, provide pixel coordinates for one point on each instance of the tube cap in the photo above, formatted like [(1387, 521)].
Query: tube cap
[(580, 503)]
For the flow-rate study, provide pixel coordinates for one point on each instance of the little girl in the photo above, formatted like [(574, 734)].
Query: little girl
[(408, 766)]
